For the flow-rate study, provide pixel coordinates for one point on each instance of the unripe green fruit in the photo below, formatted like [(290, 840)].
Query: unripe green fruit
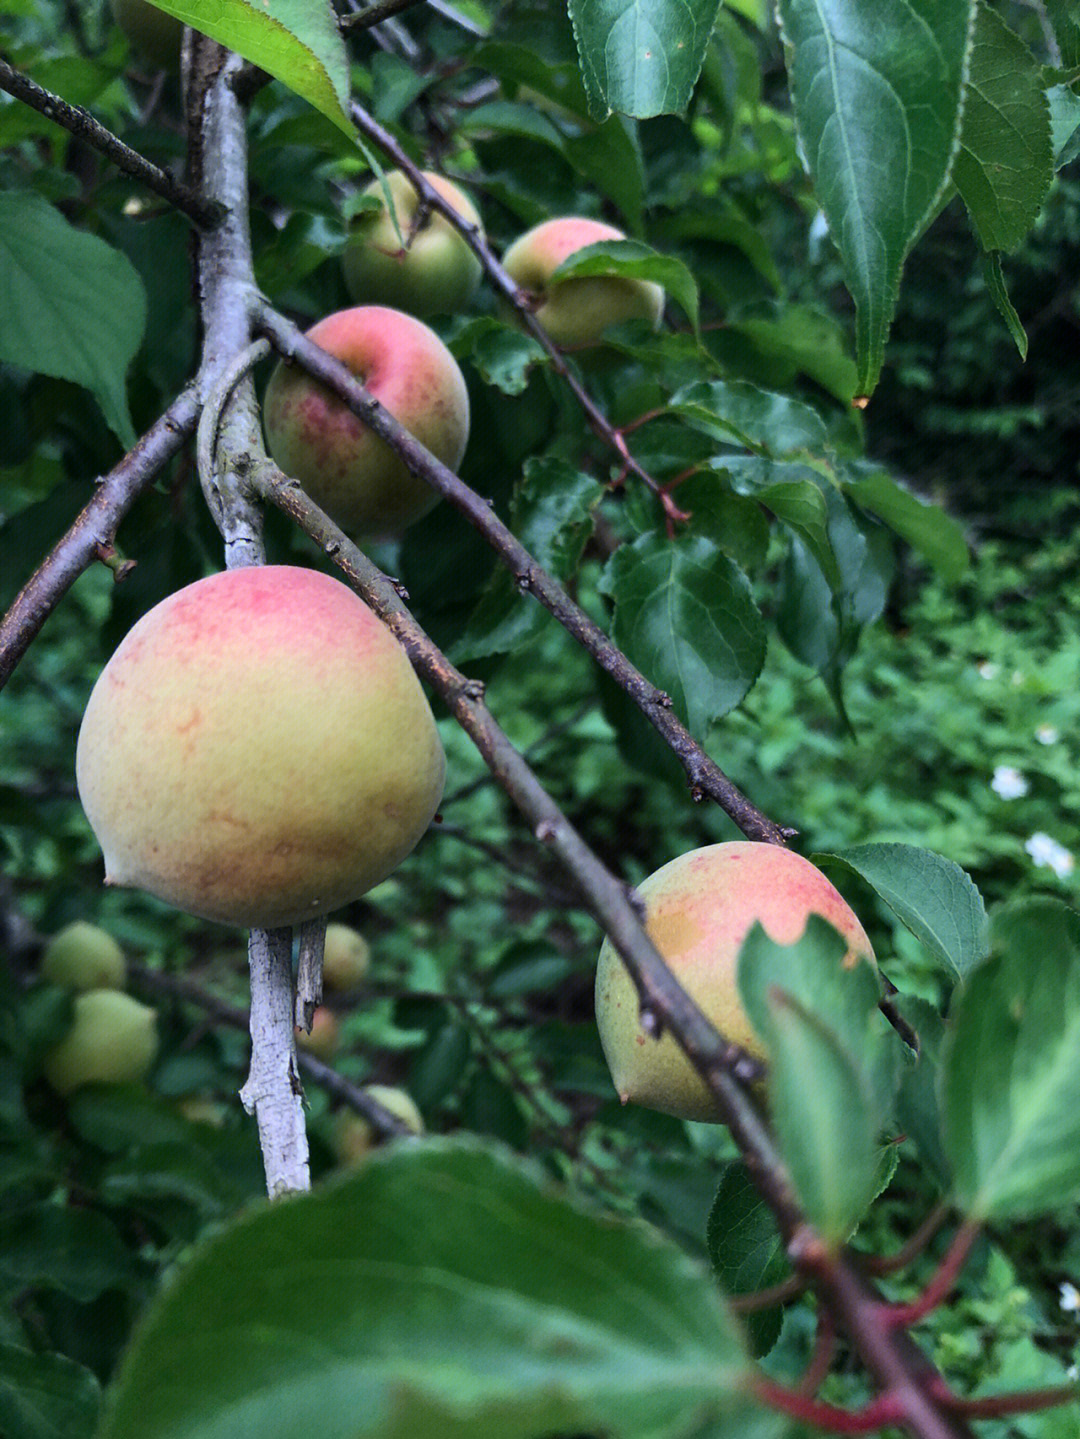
[(82, 956), (347, 470), (576, 312), (113, 1040), (258, 750), (323, 1038), (699, 908), (150, 32), (353, 1135), (436, 275), (346, 957)]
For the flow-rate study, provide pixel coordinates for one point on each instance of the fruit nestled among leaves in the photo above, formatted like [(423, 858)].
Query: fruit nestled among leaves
[(258, 750), (347, 469), (576, 311), (83, 956), (353, 1135), (699, 909), (346, 957), (434, 273), (113, 1039)]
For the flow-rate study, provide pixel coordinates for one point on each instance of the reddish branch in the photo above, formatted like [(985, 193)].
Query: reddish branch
[(704, 776), (80, 123), (508, 288), (92, 535)]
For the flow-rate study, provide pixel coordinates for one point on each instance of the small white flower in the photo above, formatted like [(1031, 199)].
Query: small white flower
[(1047, 851), (1008, 782), (988, 670), (1047, 734), (1070, 1296)]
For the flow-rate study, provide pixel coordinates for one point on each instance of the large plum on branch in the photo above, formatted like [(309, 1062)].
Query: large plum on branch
[(699, 908), (258, 750), (347, 469)]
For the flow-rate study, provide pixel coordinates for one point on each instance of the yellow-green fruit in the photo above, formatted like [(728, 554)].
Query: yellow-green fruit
[(346, 957), (353, 1135), (437, 274), (199, 1110), (113, 1040), (258, 750), (576, 312), (82, 956), (323, 1038), (150, 32), (699, 908)]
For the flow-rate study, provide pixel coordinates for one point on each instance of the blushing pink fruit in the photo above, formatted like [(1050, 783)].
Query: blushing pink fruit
[(346, 469), (576, 312), (699, 909), (258, 750)]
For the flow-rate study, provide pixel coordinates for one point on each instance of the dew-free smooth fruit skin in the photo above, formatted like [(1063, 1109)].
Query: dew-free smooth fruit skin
[(346, 957), (83, 956), (150, 32), (436, 275), (699, 909), (352, 1136), (576, 312), (346, 469), (258, 750), (113, 1040)]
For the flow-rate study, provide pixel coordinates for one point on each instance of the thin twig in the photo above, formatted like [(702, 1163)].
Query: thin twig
[(79, 122), (91, 536), (703, 774), (516, 297), (375, 14), (309, 968)]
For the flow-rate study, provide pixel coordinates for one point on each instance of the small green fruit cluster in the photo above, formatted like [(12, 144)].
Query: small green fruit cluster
[(113, 1038)]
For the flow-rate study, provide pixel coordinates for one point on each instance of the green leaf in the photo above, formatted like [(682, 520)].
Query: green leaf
[(76, 1250), (824, 1116), (770, 424), (1005, 163), (641, 56), (926, 527), (1012, 1069), (608, 156), (634, 261), (806, 341), (746, 1249), (552, 514), (296, 41), (811, 973), (878, 96), (794, 493), (929, 894), (70, 305), (440, 1290), (502, 354), (918, 1108), (732, 521), (685, 616), (46, 1396), (995, 283)]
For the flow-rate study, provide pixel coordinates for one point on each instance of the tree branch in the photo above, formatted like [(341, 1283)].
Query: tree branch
[(200, 211), (92, 534), (508, 288), (227, 300), (703, 774), (901, 1369)]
